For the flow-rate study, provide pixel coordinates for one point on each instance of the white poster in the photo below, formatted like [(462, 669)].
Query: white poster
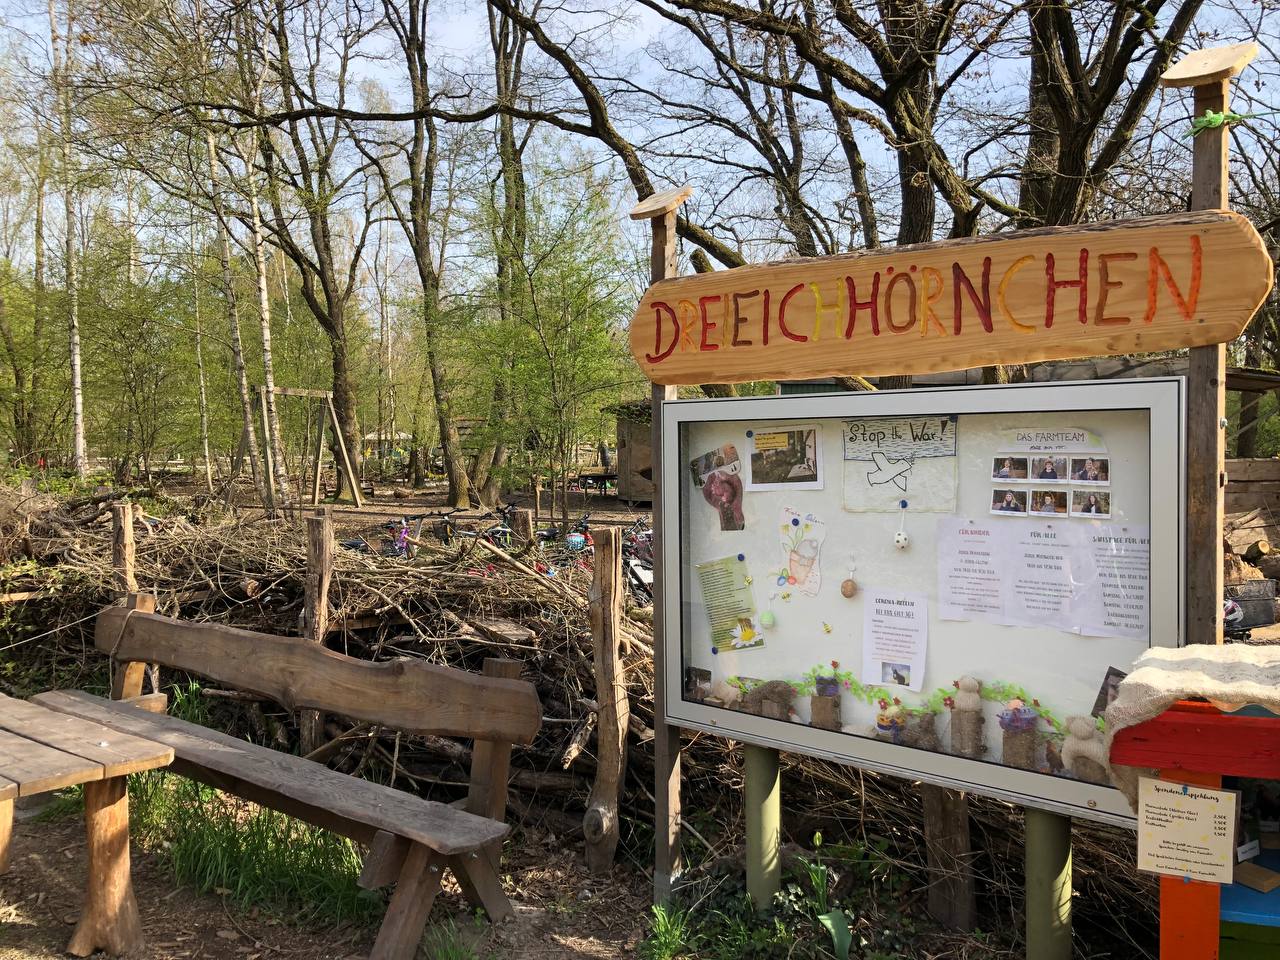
[(888, 460), (970, 571), (1115, 603), (1042, 561), (1083, 578), (1186, 831), (895, 638)]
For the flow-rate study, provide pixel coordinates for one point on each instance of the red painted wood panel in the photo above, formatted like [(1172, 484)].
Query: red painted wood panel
[(1198, 740)]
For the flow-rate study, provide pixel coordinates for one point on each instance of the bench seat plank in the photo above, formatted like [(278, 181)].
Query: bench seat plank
[(434, 825), (118, 753)]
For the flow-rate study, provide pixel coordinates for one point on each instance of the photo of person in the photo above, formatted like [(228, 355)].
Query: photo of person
[(784, 459), (1091, 503), (1008, 501), (1090, 469), (1049, 468), (1050, 503), (1009, 468), (717, 473), (1108, 691), (898, 674)]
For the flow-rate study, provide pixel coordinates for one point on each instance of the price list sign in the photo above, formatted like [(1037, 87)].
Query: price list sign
[(1186, 831)]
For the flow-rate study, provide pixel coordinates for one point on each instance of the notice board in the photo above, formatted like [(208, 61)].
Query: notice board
[(943, 584)]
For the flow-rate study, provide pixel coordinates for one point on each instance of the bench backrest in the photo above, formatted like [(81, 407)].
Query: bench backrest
[(408, 695)]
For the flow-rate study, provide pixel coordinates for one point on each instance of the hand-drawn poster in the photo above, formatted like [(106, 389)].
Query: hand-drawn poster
[(784, 458), (891, 459), (731, 609), (895, 638), (801, 536), (717, 474)]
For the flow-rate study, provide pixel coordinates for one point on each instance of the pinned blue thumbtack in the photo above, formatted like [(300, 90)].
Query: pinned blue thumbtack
[(902, 504), (751, 433), (795, 521), (742, 556), (715, 651), (1184, 788)]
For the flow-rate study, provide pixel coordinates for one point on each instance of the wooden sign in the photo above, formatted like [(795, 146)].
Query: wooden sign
[(1129, 286)]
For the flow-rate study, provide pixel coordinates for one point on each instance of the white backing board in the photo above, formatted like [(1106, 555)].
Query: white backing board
[(1031, 622)]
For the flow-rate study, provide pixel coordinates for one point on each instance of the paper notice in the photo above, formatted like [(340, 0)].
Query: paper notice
[(1116, 602), (1186, 831), (1039, 585), (895, 636), (970, 571), (731, 609)]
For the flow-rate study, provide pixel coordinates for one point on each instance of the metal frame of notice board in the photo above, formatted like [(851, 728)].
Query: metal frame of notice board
[(1163, 398)]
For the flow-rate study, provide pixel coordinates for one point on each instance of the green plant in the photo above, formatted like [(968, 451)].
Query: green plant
[(837, 924), (443, 941), (670, 935), (252, 855)]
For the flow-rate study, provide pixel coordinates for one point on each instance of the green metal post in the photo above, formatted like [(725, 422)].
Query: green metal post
[(1048, 885), (764, 835)]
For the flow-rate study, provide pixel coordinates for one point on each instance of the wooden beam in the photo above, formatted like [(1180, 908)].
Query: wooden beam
[(663, 264), (383, 862), (123, 572), (412, 696), (315, 614), (127, 677), (600, 825), (300, 392), (410, 906), (319, 459), (6, 827), (952, 893), (352, 480), (491, 765), (1183, 741), (1206, 402)]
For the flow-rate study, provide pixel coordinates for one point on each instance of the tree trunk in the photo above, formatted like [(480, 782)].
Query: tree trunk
[(344, 403), (63, 62), (233, 319), (268, 369), (202, 396)]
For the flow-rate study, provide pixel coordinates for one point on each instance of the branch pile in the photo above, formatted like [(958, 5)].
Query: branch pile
[(457, 606)]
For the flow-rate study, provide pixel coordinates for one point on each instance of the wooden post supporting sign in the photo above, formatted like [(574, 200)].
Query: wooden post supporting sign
[(660, 211), (600, 825)]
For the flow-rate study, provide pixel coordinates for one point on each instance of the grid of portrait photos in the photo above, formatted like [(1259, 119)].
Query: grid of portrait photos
[(1052, 485)]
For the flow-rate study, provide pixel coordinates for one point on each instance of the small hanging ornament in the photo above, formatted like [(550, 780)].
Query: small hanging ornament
[(767, 619), (900, 539), (849, 586)]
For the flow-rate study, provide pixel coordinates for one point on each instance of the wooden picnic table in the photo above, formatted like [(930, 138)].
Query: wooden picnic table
[(43, 750)]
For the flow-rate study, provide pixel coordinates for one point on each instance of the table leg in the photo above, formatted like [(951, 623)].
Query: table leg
[(6, 832), (110, 918)]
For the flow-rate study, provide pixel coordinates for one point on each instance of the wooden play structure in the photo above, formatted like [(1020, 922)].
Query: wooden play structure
[(328, 419), (411, 841), (1195, 743)]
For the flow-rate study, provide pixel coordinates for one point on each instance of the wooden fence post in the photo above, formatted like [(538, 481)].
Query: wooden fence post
[(600, 823), (952, 896), (315, 613), (522, 527), (660, 210), (124, 575)]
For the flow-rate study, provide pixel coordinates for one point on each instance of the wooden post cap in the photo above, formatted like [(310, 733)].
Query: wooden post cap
[(1210, 65), (663, 202)]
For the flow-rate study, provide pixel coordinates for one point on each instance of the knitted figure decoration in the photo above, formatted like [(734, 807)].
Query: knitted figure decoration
[(1083, 752), (967, 739)]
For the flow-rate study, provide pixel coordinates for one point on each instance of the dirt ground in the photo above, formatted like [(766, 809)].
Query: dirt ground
[(561, 913)]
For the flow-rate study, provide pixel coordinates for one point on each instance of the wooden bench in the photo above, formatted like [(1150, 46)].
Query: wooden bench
[(410, 840)]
